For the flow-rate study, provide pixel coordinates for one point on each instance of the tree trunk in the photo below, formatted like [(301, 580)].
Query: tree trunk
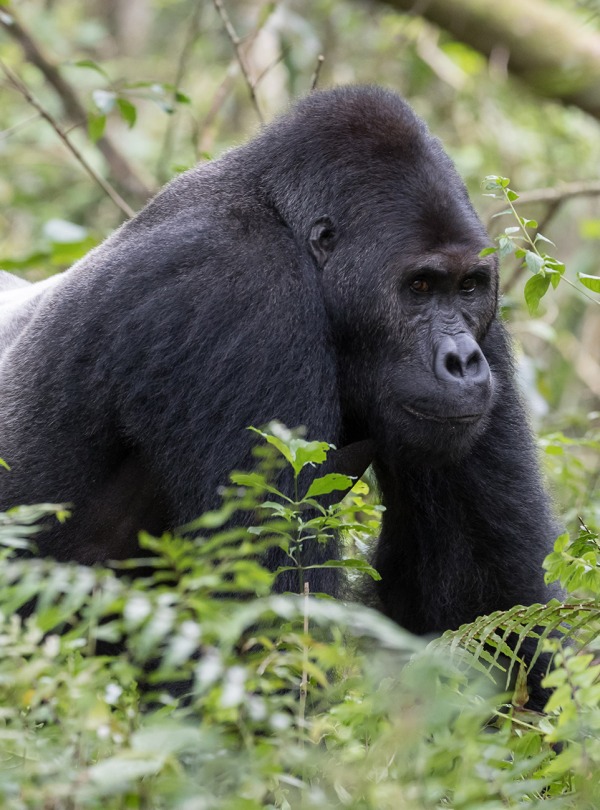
[(547, 47)]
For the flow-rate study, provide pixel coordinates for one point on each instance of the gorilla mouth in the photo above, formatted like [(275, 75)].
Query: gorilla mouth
[(433, 417)]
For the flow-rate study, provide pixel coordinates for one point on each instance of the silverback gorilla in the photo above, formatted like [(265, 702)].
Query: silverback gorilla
[(328, 273)]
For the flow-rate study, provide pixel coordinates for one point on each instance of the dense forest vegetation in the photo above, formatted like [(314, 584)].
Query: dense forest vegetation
[(298, 701)]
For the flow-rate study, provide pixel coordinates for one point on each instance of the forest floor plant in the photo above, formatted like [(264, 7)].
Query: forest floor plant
[(294, 700)]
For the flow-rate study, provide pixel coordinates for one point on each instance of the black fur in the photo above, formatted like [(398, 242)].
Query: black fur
[(326, 274)]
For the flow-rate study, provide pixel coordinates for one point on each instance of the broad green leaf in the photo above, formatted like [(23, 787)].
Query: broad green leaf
[(308, 453), (541, 238), (535, 289), (355, 565), (128, 111), (298, 452), (265, 12), (591, 282), (276, 442), (66, 253), (91, 65), (96, 125), (534, 262), (253, 480), (329, 483), (506, 246), (488, 251)]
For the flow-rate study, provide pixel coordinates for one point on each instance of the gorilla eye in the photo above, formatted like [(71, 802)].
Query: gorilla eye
[(468, 284), (420, 285)]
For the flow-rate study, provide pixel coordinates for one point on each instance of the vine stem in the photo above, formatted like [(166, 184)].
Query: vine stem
[(527, 235), (304, 679)]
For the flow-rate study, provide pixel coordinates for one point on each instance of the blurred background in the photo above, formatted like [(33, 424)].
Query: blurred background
[(143, 89)]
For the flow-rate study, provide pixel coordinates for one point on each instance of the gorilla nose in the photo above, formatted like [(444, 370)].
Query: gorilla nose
[(459, 359)]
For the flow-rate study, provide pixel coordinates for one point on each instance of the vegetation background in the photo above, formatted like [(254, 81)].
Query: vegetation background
[(102, 102)]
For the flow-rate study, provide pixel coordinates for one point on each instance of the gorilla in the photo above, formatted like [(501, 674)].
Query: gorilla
[(328, 274)]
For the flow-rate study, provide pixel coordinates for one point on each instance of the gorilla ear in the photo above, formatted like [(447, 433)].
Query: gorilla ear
[(322, 239)]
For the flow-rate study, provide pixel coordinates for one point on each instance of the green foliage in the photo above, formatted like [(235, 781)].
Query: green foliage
[(524, 241), (293, 700)]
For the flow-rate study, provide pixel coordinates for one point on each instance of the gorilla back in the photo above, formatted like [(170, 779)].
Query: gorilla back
[(327, 273)]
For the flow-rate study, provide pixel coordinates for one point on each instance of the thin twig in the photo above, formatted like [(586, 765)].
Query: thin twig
[(317, 73), (20, 125), (519, 270), (304, 679), (237, 47), (563, 192), (270, 67), (203, 137), (182, 65), (21, 88), (120, 168)]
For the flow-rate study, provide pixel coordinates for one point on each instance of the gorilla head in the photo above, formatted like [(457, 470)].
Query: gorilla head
[(396, 242)]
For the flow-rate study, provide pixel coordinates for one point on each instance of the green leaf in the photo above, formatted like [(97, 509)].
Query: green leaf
[(128, 111), (298, 452), (308, 453), (540, 237), (96, 125), (533, 261), (492, 182), (91, 65), (329, 483), (535, 289), (506, 246), (265, 12), (511, 195), (355, 565), (591, 282), (488, 251), (66, 253)]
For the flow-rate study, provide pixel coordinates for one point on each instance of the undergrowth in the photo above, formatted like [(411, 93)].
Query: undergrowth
[(191, 686)]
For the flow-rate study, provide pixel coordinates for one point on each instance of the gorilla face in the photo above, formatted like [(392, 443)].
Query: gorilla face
[(429, 388), (434, 392)]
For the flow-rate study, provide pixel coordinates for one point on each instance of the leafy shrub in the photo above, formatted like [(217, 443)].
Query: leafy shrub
[(294, 700)]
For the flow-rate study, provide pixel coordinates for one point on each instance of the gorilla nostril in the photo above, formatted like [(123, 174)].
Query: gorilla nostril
[(453, 364), (473, 362)]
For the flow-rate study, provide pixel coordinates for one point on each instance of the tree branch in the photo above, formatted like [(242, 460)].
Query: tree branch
[(547, 47), (237, 47), (21, 88), (562, 193), (193, 29), (74, 109), (315, 77)]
